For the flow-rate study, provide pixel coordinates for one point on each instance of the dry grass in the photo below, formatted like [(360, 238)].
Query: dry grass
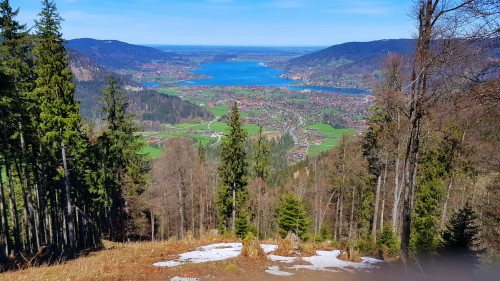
[(129, 261), (350, 255), (251, 248), (133, 261)]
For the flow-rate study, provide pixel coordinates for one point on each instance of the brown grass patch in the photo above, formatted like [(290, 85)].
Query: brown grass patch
[(251, 248), (350, 255), (117, 261)]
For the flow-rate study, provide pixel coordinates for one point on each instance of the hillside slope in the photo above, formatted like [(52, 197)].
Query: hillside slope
[(147, 104), (115, 55), (354, 51), (345, 65)]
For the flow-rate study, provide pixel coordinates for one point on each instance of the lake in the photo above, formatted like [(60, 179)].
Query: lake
[(250, 74)]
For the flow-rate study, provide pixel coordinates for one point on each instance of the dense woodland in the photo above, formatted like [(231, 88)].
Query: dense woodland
[(424, 179)]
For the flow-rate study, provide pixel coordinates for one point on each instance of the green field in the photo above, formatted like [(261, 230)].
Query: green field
[(151, 151), (168, 91), (205, 140), (219, 111), (317, 149), (329, 130)]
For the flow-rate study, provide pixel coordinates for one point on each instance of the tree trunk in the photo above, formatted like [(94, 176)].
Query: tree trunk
[(5, 222), (234, 209), (152, 225), (69, 206), (382, 210), (375, 208)]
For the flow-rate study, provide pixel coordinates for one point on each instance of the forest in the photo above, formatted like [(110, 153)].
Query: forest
[(422, 180)]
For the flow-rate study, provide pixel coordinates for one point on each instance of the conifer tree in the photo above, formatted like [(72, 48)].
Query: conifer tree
[(59, 120), (232, 192), (122, 168), (15, 75), (425, 230), (461, 237), (292, 217), (261, 156)]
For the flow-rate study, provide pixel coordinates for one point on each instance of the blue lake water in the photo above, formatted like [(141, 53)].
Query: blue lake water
[(151, 84), (251, 74)]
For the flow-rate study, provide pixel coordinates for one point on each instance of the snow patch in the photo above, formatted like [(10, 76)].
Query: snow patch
[(323, 260), (212, 252), (177, 278), (282, 259), (275, 270)]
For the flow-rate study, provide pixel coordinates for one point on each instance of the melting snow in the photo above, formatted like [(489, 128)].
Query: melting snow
[(329, 259), (275, 270), (213, 252), (324, 260), (177, 278)]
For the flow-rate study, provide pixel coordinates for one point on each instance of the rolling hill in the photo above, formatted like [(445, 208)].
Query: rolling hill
[(115, 55), (347, 61), (147, 104)]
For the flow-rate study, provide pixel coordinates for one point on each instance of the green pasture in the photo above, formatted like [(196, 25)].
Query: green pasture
[(151, 151), (219, 111), (328, 130)]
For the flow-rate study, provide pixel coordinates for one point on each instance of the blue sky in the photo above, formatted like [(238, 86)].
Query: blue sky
[(230, 22)]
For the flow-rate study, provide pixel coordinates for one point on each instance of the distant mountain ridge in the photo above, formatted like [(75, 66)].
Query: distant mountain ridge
[(348, 65), (355, 51), (147, 104), (116, 55)]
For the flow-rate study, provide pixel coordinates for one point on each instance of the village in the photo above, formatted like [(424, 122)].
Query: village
[(306, 115)]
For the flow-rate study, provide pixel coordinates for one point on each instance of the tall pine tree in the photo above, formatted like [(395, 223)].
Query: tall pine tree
[(232, 192), (59, 121), (122, 168)]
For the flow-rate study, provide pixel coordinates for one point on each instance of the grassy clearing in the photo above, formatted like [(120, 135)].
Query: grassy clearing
[(168, 91), (151, 151), (205, 140), (328, 130), (219, 111)]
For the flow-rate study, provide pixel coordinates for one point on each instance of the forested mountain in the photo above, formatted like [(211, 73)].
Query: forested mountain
[(354, 52), (147, 104), (352, 58), (115, 54)]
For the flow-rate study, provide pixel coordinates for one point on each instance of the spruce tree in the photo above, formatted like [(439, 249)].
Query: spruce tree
[(59, 120), (123, 169), (425, 230), (292, 217), (261, 156), (15, 82), (461, 237), (232, 193)]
